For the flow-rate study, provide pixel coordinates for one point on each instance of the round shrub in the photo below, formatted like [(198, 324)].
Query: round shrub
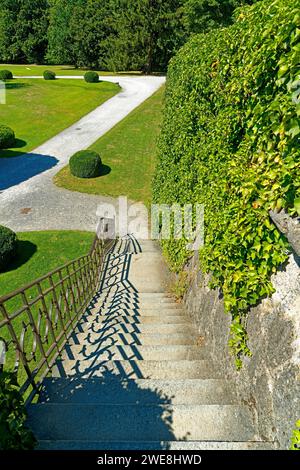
[(8, 246), (6, 75), (85, 164), (91, 77), (7, 137), (49, 75)]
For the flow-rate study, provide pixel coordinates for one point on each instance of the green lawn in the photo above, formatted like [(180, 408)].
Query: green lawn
[(38, 253), (58, 69), (41, 252), (129, 153), (38, 110)]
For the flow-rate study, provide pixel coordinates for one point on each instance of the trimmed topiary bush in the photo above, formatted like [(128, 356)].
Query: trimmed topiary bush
[(8, 246), (7, 137), (49, 75), (91, 77), (85, 164), (6, 75)]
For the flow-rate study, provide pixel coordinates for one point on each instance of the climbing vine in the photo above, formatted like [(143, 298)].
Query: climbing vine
[(14, 434), (295, 444), (230, 140)]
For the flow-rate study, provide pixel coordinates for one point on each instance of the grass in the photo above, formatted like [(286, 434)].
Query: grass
[(41, 252), (38, 110), (129, 154), (32, 69), (38, 254)]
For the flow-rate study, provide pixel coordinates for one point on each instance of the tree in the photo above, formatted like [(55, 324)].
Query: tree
[(144, 34), (23, 30), (77, 31), (200, 16), (61, 48), (106, 34)]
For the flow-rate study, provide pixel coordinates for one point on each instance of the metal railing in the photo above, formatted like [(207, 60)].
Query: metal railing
[(37, 320)]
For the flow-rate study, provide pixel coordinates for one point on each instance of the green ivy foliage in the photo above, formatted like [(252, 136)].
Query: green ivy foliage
[(295, 444), (14, 435), (230, 140)]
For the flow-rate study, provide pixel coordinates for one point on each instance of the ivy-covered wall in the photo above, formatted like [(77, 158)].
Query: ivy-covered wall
[(230, 140), (269, 381)]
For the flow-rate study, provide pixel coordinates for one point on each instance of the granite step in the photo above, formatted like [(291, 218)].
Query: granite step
[(163, 328), (155, 445), (136, 369), (133, 339), (56, 421), (104, 353), (127, 310), (142, 391), (122, 319)]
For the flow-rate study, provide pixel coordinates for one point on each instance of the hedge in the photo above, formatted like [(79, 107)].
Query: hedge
[(7, 137), (14, 433), (49, 75), (91, 77), (85, 164), (6, 75), (8, 246), (230, 140)]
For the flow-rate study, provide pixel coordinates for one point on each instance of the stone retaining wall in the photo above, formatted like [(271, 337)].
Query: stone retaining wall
[(269, 381)]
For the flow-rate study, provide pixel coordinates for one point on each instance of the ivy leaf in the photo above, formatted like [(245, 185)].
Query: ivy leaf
[(297, 205)]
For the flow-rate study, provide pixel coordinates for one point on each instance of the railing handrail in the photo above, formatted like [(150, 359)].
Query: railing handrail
[(18, 291), (60, 306)]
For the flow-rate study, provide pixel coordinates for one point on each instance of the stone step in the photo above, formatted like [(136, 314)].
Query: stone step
[(103, 329), (135, 369), (134, 339), (145, 392), (138, 246), (164, 295), (122, 319), (135, 311), (127, 291), (88, 422), (164, 445), (115, 292), (134, 305), (148, 272), (104, 352)]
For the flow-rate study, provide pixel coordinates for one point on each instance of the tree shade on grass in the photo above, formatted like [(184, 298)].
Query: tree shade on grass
[(128, 152), (38, 110)]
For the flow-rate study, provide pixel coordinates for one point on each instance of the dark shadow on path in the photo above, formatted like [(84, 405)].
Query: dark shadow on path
[(14, 171)]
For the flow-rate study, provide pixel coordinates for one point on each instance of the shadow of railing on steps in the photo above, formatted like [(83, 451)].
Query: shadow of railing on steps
[(95, 373), (94, 339), (110, 331)]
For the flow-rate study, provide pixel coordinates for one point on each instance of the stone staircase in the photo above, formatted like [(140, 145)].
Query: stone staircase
[(136, 374)]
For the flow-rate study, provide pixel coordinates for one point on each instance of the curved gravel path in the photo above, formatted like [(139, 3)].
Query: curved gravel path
[(30, 201)]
